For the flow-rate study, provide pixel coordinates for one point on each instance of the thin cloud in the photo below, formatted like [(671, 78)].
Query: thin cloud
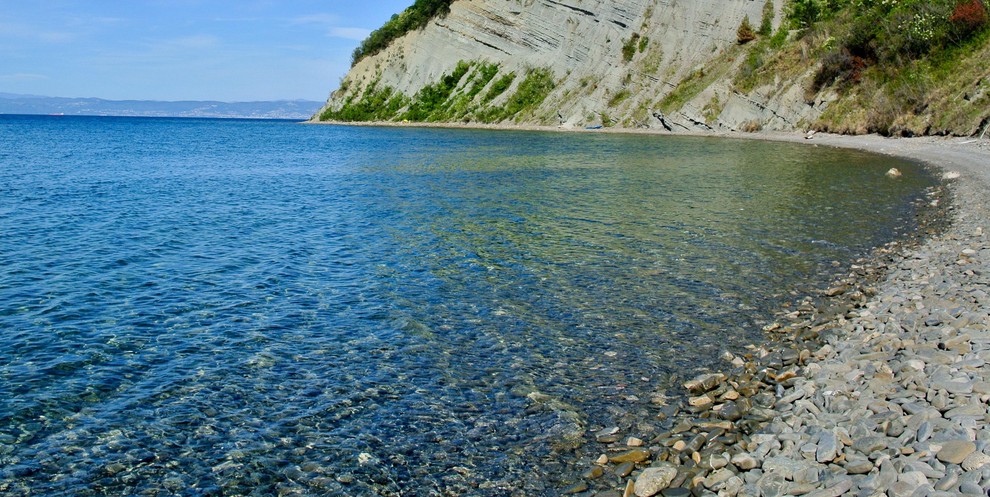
[(28, 32), (333, 29), (327, 19), (22, 77), (356, 34)]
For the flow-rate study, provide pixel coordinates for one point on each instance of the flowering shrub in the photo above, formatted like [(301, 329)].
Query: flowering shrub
[(969, 17)]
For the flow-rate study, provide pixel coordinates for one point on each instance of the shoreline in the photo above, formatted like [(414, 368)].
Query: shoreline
[(880, 387)]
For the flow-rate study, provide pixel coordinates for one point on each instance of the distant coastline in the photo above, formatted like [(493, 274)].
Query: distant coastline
[(62, 106)]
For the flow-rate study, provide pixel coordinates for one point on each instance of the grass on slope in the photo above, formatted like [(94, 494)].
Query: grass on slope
[(898, 67)]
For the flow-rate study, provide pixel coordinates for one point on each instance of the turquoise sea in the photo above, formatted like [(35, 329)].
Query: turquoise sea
[(225, 307)]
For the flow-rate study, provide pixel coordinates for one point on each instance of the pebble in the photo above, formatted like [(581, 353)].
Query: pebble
[(878, 385), (827, 448), (577, 488), (654, 479), (625, 469), (745, 461), (634, 455), (955, 451), (593, 472), (975, 461)]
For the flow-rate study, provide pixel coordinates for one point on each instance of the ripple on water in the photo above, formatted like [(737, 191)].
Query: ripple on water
[(228, 307)]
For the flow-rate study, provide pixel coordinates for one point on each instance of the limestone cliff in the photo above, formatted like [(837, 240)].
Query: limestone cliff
[(675, 64)]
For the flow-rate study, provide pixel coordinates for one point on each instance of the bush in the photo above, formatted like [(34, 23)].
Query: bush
[(839, 67), (499, 87), (428, 104), (969, 17), (766, 23), (745, 33), (485, 74), (375, 104), (629, 47), (619, 97), (415, 17), (804, 13), (892, 35), (532, 92)]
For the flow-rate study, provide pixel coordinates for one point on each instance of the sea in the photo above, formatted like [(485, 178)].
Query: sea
[(206, 307)]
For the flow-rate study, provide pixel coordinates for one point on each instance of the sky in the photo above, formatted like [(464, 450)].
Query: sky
[(225, 50)]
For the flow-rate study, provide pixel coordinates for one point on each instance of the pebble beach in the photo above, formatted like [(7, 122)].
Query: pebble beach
[(880, 385)]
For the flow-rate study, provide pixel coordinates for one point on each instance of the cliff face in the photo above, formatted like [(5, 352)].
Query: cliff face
[(674, 64)]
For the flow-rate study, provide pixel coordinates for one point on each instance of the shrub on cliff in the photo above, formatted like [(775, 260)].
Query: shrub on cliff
[(415, 17), (745, 33), (766, 22), (804, 13), (969, 17), (892, 35)]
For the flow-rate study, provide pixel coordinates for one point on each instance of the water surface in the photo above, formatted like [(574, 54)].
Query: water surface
[(209, 307)]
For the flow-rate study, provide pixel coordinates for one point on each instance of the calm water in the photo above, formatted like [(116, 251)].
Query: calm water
[(208, 307)]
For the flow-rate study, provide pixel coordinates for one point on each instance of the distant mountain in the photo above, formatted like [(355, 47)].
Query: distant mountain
[(279, 109)]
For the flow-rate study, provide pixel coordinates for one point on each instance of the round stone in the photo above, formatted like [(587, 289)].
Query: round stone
[(975, 461), (654, 479), (955, 451), (745, 461)]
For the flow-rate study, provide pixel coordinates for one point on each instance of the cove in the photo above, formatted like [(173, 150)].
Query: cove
[(216, 307)]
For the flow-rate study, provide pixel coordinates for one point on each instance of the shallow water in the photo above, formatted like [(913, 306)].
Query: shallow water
[(210, 307)]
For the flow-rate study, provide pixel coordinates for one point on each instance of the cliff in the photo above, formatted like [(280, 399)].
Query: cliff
[(674, 64)]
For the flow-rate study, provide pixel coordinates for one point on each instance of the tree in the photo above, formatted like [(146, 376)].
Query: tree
[(745, 33)]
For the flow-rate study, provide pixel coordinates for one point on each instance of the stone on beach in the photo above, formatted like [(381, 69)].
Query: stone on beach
[(654, 479), (878, 385), (955, 451), (634, 455)]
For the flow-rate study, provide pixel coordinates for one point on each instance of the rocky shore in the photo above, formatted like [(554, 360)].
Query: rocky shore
[(878, 386)]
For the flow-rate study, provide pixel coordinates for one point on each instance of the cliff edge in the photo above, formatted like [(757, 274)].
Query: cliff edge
[(718, 65)]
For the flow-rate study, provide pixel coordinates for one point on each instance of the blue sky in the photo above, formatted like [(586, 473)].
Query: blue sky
[(183, 49)]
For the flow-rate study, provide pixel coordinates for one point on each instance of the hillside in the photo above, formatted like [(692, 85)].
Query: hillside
[(903, 67)]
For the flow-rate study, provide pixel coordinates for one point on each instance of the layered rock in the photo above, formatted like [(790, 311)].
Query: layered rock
[(613, 62)]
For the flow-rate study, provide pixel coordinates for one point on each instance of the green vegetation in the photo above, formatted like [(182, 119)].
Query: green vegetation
[(712, 110), (766, 22), (499, 87), (461, 105), (896, 34), (459, 95), (375, 104), (697, 81), (415, 17), (898, 66), (530, 93), (429, 104), (749, 75), (619, 97), (485, 74), (893, 57), (629, 47), (650, 63)]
